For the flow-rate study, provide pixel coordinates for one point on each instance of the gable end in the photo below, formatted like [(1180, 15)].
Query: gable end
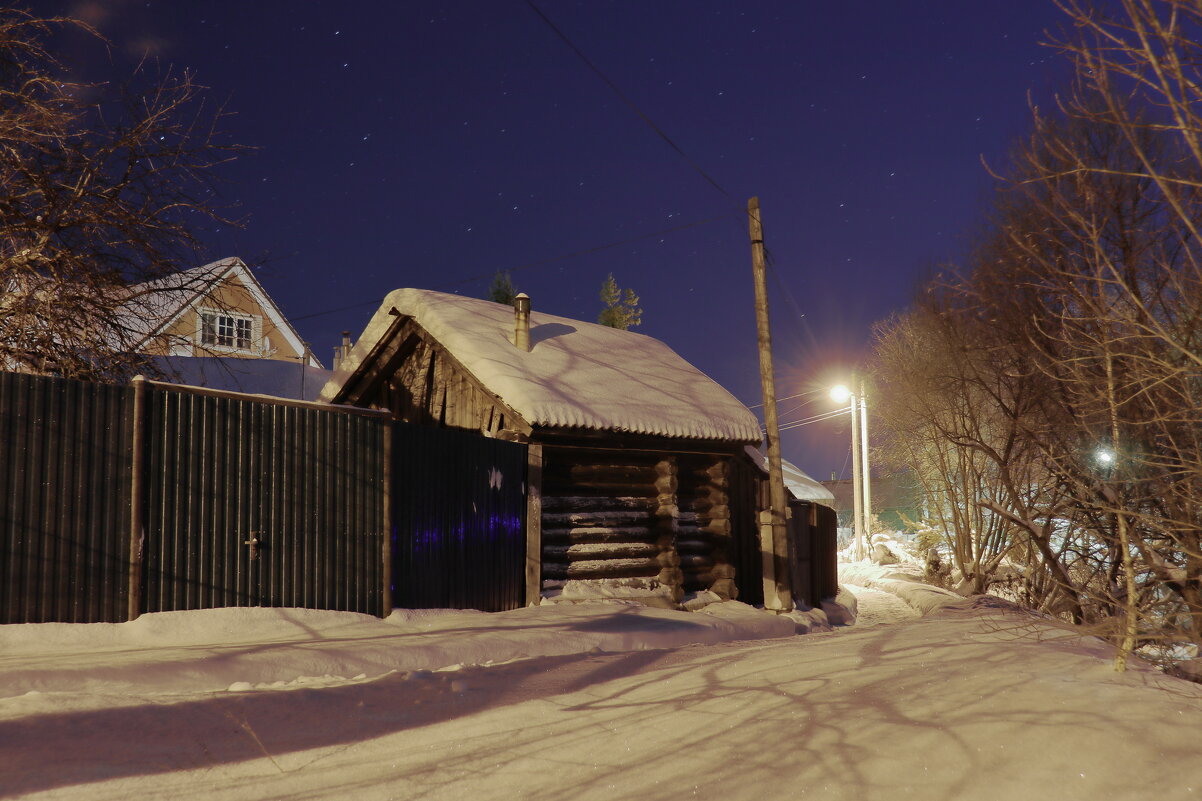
[(411, 374)]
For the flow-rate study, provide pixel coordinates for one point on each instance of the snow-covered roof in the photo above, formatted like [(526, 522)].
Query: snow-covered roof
[(152, 305), (281, 379), (577, 375), (797, 481)]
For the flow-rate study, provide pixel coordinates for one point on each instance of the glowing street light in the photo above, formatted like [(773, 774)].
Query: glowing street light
[(1105, 456)]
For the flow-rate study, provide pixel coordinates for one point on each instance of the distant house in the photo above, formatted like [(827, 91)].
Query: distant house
[(215, 326), (639, 478), (896, 500), (219, 309)]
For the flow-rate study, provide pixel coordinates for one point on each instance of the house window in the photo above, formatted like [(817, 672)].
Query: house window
[(227, 330)]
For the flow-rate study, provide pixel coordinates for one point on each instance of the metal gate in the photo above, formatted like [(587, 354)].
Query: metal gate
[(254, 503)]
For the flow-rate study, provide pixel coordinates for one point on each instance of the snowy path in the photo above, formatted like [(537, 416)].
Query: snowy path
[(877, 607), (963, 704)]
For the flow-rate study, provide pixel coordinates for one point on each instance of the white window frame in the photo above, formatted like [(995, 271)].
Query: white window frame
[(254, 335)]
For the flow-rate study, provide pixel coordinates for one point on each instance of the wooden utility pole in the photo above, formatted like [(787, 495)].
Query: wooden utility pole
[(534, 523), (774, 543)]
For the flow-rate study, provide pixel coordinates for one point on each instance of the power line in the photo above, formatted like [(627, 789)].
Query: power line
[(586, 251), (797, 406), (630, 103), (790, 397), (528, 265), (818, 418), (846, 459), (335, 311), (798, 326), (815, 419), (809, 420)]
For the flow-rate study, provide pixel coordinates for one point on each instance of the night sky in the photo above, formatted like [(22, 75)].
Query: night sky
[(404, 144)]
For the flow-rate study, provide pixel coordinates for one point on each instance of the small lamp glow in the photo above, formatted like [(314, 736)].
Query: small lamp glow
[(840, 394), (1105, 456)]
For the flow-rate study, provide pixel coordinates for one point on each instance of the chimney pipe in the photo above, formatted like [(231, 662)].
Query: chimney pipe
[(521, 322), (343, 350)]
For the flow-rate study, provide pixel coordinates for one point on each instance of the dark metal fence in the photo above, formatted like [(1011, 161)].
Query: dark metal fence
[(253, 503), (745, 503), (812, 533), (826, 551), (228, 500), (812, 552), (459, 503), (64, 500), (233, 500)]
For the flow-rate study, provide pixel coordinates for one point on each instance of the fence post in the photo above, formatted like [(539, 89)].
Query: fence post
[(386, 547), (534, 523), (136, 499)]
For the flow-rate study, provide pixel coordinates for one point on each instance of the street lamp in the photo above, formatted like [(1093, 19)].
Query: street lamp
[(861, 482)]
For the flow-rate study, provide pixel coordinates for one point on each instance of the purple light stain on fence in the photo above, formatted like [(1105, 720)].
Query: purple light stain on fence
[(495, 527)]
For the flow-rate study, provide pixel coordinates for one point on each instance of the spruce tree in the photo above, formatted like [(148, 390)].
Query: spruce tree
[(501, 290), (621, 307)]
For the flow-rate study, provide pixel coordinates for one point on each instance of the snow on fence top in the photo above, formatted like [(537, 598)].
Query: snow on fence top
[(576, 375), (797, 480)]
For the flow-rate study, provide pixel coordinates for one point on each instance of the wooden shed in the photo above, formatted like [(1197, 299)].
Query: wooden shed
[(638, 482)]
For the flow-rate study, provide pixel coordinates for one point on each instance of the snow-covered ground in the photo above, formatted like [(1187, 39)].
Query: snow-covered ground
[(923, 698)]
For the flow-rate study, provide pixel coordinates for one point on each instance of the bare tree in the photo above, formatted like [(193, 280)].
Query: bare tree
[(1076, 332), (102, 190), (930, 414), (1139, 75)]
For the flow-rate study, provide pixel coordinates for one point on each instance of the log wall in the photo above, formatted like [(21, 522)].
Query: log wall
[(611, 515), (705, 540), (599, 515)]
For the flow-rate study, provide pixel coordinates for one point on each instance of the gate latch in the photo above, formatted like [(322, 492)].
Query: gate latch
[(254, 544)]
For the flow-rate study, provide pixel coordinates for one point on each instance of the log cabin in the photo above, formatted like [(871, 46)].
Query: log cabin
[(638, 483)]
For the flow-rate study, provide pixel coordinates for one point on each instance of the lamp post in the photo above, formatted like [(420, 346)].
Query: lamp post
[(861, 482), (866, 479)]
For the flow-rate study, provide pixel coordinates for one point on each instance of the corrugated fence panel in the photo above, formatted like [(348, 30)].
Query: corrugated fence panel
[(244, 502), (813, 552), (459, 505), (64, 500), (825, 540), (802, 540), (744, 505), (254, 503)]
